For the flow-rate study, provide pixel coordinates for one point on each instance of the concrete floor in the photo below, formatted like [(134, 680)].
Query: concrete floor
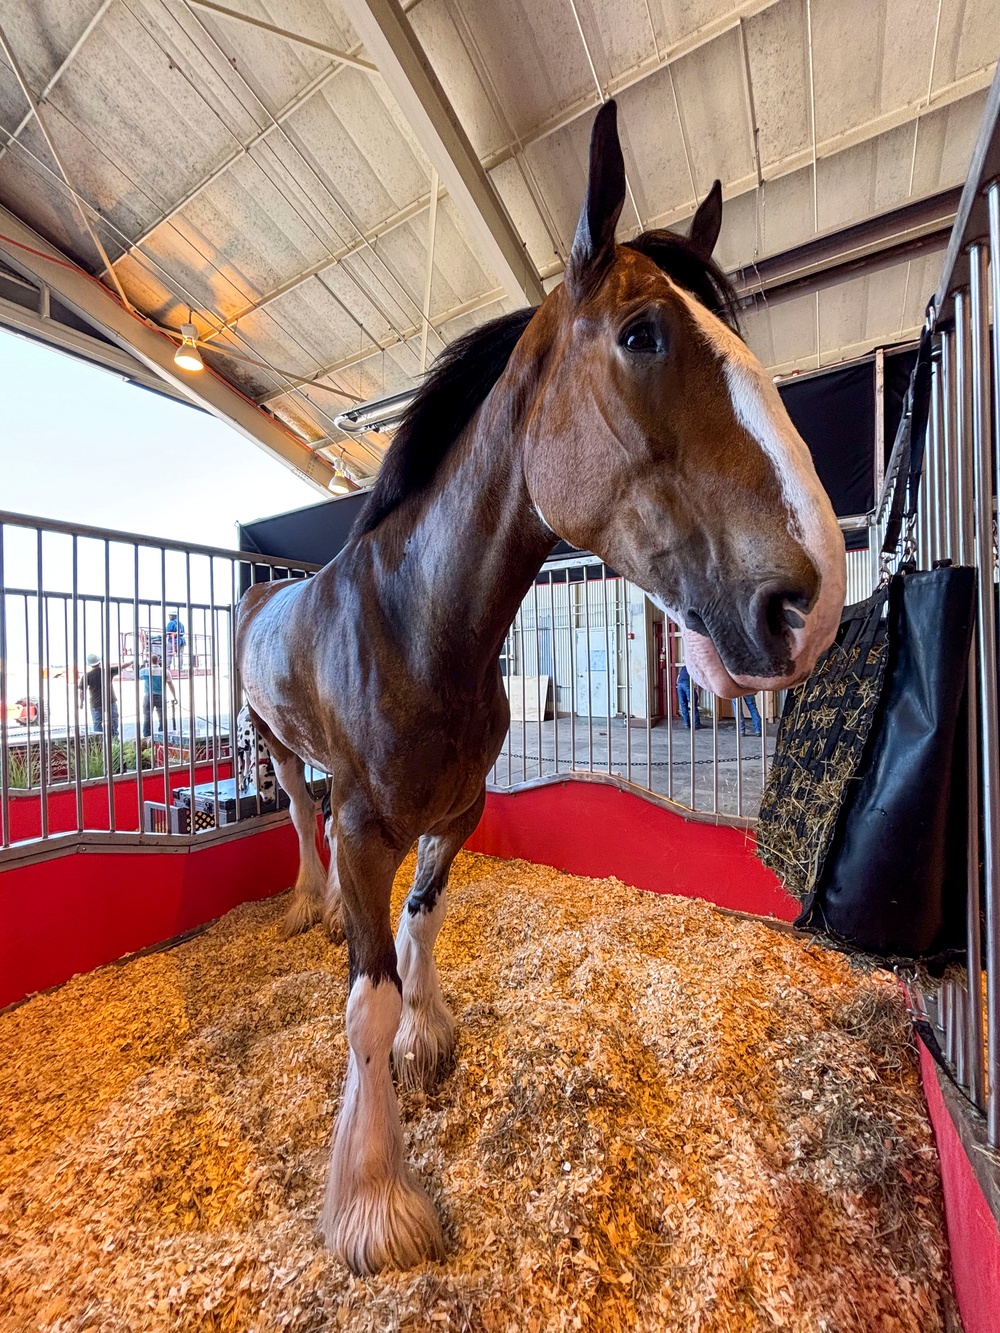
[(722, 775)]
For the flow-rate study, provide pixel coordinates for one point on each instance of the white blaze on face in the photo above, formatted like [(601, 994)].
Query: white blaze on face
[(759, 410)]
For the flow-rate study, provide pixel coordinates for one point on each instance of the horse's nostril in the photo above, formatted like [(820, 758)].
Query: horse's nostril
[(780, 607)]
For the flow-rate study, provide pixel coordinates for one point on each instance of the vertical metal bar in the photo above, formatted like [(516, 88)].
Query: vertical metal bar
[(590, 689), (990, 722), (879, 468), (75, 605), (668, 641), (189, 635), (974, 962), (5, 838), (948, 423), (627, 604), (607, 655), (555, 674), (572, 617), (136, 658), (961, 1045), (107, 689), (650, 672), (166, 671), (538, 674), (763, 745), (43, 758), (739, 770), (958, 380), (213, 657), (948, 1019), (235, 694), (715, 759), (963, 407), (932, 469), (692, 752)]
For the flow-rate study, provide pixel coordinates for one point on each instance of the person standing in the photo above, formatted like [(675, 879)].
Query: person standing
[(751, 703), (96, 684), (176, 639), (152, 676), (687, 699)]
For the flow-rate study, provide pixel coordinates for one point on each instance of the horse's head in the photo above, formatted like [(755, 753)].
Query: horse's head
[(660, 443)]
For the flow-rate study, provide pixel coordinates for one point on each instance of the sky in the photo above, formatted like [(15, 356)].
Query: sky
[(79, 444)]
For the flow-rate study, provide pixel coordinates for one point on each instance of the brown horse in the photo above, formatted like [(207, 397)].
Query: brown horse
[(624, 415)]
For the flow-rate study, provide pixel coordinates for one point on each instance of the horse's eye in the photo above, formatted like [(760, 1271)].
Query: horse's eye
[(640, 338)]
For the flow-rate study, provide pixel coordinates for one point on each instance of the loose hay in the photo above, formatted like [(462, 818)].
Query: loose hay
[(659, 1118)]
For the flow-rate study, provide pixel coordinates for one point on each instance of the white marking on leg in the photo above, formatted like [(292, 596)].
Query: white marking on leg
[(374, 1213), (426, 1036)]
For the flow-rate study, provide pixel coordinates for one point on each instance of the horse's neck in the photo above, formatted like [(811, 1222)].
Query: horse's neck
[(472, 545)]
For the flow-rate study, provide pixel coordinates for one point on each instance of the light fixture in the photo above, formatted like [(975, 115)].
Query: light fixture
[(187, 355), (340, 482)]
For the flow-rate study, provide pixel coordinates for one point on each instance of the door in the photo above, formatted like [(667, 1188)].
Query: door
[(595, 683)]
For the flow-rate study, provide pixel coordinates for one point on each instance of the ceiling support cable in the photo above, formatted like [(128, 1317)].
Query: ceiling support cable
[(77, 198), (429, 279), (57, 73), (603, 96), (927, 101)]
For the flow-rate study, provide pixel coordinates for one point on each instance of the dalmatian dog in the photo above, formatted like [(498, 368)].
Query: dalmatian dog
[(254, 768)]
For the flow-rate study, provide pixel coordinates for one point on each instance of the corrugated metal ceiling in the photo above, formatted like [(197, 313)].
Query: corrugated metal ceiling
[(280, 193)]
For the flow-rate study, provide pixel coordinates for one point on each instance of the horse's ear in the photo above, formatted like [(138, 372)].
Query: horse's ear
[(594, 243), (707, 221)]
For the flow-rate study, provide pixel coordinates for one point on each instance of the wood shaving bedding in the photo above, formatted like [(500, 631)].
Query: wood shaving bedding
[(659, 1118)]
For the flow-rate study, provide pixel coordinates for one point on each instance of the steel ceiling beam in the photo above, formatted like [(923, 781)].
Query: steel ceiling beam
[(389, 39), (345, 57), (24, 251), (865, 247)]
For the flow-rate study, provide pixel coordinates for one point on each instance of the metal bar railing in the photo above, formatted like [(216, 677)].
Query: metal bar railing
[(97, 746), (989, 720)]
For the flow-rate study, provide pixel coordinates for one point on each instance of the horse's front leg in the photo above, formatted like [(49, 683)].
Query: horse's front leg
[(374, 1214), (425, 1040)]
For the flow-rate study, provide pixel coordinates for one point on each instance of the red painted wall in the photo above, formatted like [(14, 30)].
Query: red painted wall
[(589, 828), (973, 1235), (26, 811), (72, 913)]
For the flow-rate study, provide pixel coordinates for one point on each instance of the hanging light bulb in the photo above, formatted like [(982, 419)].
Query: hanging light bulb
[(187, 355), (340, 482)]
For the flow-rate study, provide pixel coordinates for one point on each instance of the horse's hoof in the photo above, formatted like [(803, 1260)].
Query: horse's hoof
[(424, 1045), (334, 925), (391, 1224), (301, 915)]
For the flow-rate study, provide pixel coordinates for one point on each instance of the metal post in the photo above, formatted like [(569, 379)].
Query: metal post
[(949, 422), (555, 675), (990, 721), (5, 838), (958, 426)]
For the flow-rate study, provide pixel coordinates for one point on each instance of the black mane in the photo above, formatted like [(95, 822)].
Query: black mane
[(468, 368), (691, 268), (458, 383)]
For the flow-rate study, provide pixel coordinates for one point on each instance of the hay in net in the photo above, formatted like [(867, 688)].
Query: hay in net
[(821, 739), (659, 1117)]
